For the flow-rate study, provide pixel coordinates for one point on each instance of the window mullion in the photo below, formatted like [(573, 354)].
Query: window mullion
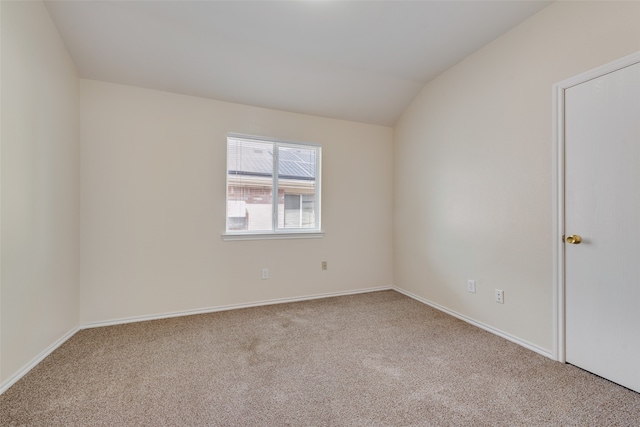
[(274, 216)]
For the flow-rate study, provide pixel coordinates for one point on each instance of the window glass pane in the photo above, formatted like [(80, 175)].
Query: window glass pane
[(296, 186), (250, 185), (292, 215), (308, 211), (251, 163)]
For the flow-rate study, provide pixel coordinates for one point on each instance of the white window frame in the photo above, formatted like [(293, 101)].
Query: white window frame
[(276, 232)]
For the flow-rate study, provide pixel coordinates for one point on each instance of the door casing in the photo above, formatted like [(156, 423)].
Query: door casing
[(559, 349)]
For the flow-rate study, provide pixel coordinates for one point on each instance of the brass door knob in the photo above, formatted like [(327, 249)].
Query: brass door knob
[(574, 239)]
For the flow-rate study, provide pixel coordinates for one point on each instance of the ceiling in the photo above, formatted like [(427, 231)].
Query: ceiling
[(353, 60)]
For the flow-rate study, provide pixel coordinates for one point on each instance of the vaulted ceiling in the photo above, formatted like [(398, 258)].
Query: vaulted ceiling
[(353, 60)]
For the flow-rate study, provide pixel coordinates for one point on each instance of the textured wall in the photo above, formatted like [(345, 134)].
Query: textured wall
[(473, 167)]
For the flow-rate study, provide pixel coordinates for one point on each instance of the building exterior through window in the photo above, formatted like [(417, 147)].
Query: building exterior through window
[(272, 186)]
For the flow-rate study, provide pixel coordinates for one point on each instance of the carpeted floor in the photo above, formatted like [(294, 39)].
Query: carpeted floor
[(377, 359)]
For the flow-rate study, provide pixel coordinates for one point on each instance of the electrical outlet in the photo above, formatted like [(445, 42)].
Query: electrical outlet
[(324, 265), (471, 286), (265, 273), (499, 296)]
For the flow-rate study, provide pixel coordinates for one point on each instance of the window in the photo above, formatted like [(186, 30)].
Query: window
[(273, 187)]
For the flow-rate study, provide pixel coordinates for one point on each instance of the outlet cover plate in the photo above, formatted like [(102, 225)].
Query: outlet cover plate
[(471, 286)]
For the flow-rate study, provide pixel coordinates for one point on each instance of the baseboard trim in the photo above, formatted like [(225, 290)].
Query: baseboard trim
[(480, 325), (22, 372), (39, 358), (125, 320)]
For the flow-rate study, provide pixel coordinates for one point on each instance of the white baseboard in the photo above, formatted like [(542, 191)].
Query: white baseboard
[(22, 372), (480, 325), (25, 369), (228, 307)]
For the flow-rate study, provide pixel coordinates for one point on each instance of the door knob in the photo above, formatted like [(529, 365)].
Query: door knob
[(574, 239)]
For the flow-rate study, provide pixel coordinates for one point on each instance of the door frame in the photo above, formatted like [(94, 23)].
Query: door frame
[(558, 204)]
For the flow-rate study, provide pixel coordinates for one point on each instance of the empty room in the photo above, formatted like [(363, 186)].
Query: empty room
[(320, 213)]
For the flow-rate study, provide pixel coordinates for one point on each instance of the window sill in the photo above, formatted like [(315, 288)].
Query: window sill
[(273, 236)]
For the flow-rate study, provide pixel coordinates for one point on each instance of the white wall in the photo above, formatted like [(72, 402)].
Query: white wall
[(40, 187), (153, 206), (473, 167)]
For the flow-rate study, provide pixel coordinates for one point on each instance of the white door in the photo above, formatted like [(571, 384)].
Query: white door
[(602, 206)]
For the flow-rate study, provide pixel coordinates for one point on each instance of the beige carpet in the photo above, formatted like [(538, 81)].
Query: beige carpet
[(377, 359)]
